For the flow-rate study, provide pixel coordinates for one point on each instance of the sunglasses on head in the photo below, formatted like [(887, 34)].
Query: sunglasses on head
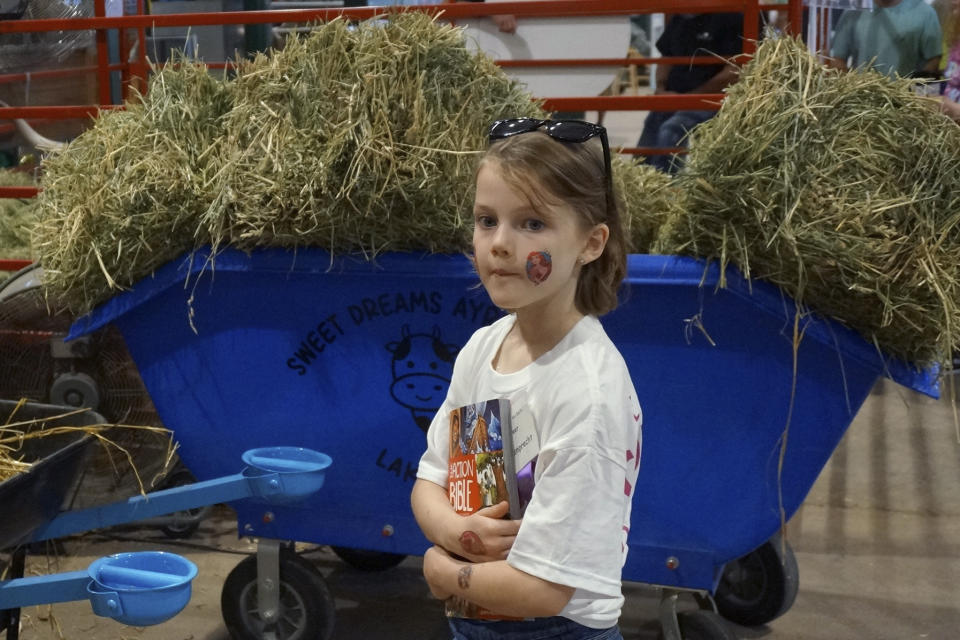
[(561, 130)]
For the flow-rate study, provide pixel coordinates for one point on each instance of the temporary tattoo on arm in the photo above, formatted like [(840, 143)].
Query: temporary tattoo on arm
[(463, 577), (539, 265), (472, 543)]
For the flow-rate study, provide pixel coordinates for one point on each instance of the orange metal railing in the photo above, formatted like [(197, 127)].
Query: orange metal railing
[(554, 8), (134, 72)]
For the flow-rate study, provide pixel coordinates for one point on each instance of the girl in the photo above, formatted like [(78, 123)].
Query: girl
[(543, 189)]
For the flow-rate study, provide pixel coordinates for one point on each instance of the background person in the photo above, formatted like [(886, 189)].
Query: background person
[(690, 35), (897, 36)]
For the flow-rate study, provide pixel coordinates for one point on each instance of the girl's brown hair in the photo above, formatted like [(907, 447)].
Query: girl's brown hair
[(548, 171)]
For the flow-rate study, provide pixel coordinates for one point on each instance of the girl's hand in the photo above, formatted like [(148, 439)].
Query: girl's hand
[(434, 562), (486, 536)]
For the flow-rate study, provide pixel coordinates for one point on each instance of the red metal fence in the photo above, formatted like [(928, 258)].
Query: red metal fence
[(134, 69)]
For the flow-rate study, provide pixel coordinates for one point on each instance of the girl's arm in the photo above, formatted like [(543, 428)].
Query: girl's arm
[(494, 585), (481, 537)]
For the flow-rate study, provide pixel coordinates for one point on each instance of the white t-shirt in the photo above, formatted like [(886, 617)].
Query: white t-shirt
[(585, 409)]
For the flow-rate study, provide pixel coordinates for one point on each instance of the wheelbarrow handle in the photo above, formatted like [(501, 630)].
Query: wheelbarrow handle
[(283, 480), (26, 592), (153, 504)]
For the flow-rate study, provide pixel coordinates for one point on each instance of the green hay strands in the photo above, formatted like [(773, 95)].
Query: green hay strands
[(649, 198), (355, 138), (838, 187), (123, 198), (17, 217)]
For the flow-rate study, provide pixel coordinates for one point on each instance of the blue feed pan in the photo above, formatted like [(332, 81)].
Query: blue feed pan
[(141, 588), (300, 471)]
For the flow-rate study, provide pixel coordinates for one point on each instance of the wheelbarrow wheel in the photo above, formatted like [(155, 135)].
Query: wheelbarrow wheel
[(703, 625), (368, 560), (178, 530), (306, 606), (759, 586)]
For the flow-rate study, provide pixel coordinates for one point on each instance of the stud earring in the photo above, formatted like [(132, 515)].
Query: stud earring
[(580, 260)]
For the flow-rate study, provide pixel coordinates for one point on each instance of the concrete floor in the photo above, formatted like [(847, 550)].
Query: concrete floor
[(877, 542)]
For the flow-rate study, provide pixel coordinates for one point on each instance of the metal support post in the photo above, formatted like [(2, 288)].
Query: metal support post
[(268, 584)]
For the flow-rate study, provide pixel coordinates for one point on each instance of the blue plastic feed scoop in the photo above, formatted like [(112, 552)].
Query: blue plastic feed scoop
[(140, 588), (289, 473)]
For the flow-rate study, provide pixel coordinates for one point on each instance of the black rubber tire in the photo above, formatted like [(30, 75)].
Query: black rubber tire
[(178, 478), (703, 625), (760, 586), (368, 560), (307, 609)]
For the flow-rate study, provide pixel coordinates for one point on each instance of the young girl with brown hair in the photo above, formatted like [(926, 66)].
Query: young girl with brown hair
[(544, 198)]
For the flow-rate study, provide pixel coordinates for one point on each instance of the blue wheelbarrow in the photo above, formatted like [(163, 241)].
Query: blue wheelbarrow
[(354, 357), (141, 588)]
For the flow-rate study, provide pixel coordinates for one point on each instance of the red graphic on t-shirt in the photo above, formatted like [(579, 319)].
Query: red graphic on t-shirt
[(635, 457)]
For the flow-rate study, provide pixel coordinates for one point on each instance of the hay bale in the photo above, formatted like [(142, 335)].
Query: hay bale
[(17, 217), (362, 139), (649, 197), (355, 138), (838, 187), (123, 198)]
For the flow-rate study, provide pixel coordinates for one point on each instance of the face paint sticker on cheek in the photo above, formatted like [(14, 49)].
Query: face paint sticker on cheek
[(538, 266)]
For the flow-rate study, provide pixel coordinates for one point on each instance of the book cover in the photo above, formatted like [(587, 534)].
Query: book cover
[(486, 445)]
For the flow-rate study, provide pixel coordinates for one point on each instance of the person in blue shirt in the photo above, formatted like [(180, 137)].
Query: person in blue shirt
[(901, 37)]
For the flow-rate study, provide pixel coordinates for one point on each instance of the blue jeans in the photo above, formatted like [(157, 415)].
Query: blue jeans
[(556, 628), (669, 129)]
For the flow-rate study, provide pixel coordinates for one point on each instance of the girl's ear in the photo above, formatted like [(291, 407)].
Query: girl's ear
[(596, 241)]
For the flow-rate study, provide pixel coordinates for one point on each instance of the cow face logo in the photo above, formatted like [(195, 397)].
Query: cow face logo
[(422, 366)]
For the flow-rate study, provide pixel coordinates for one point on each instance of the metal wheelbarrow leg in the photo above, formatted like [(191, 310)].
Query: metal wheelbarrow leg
[(703, 623), (276, 595), (10, 618)]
